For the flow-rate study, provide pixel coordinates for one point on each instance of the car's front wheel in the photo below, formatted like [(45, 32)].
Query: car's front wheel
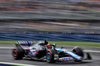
[(50, 56)]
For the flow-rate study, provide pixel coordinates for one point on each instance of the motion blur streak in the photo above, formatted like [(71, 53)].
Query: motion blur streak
[(52, 36), (58, 31)]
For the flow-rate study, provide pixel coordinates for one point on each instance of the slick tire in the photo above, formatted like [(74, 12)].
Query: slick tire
[(50, 56), (78, 51), (17, 53)]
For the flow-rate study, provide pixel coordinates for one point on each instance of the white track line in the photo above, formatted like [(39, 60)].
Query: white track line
[(95, 51), (9, 63), (6, 47)]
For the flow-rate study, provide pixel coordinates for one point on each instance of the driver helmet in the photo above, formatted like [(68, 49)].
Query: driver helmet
[(48, 45)]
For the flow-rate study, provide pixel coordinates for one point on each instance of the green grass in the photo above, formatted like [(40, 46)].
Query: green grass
[(7, 42), (94, 44)]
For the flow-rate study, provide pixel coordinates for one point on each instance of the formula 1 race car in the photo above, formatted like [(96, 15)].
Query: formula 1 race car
[(48, 52)]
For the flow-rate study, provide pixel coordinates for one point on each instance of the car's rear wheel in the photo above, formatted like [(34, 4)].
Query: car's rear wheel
[(17, 53), (78, 51)]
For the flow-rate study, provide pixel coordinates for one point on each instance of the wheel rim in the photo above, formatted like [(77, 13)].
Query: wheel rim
[(48, 56), (14, 52)]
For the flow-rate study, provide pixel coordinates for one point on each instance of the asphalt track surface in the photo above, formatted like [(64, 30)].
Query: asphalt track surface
[(5, 56)]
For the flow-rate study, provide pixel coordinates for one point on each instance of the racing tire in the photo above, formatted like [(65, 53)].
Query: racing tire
[(78, 51), (17, 53), (50, 56)]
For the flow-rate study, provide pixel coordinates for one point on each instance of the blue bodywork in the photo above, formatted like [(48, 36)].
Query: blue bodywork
[(70, 53)]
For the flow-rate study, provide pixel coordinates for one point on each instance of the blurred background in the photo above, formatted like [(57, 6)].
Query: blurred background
[(60, 20)]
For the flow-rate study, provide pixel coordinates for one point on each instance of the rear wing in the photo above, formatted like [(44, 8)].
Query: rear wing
[(27, 43)]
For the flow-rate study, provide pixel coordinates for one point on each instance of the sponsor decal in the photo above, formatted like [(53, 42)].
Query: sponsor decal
[(65, 58), (25, 42), (32, 52)]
